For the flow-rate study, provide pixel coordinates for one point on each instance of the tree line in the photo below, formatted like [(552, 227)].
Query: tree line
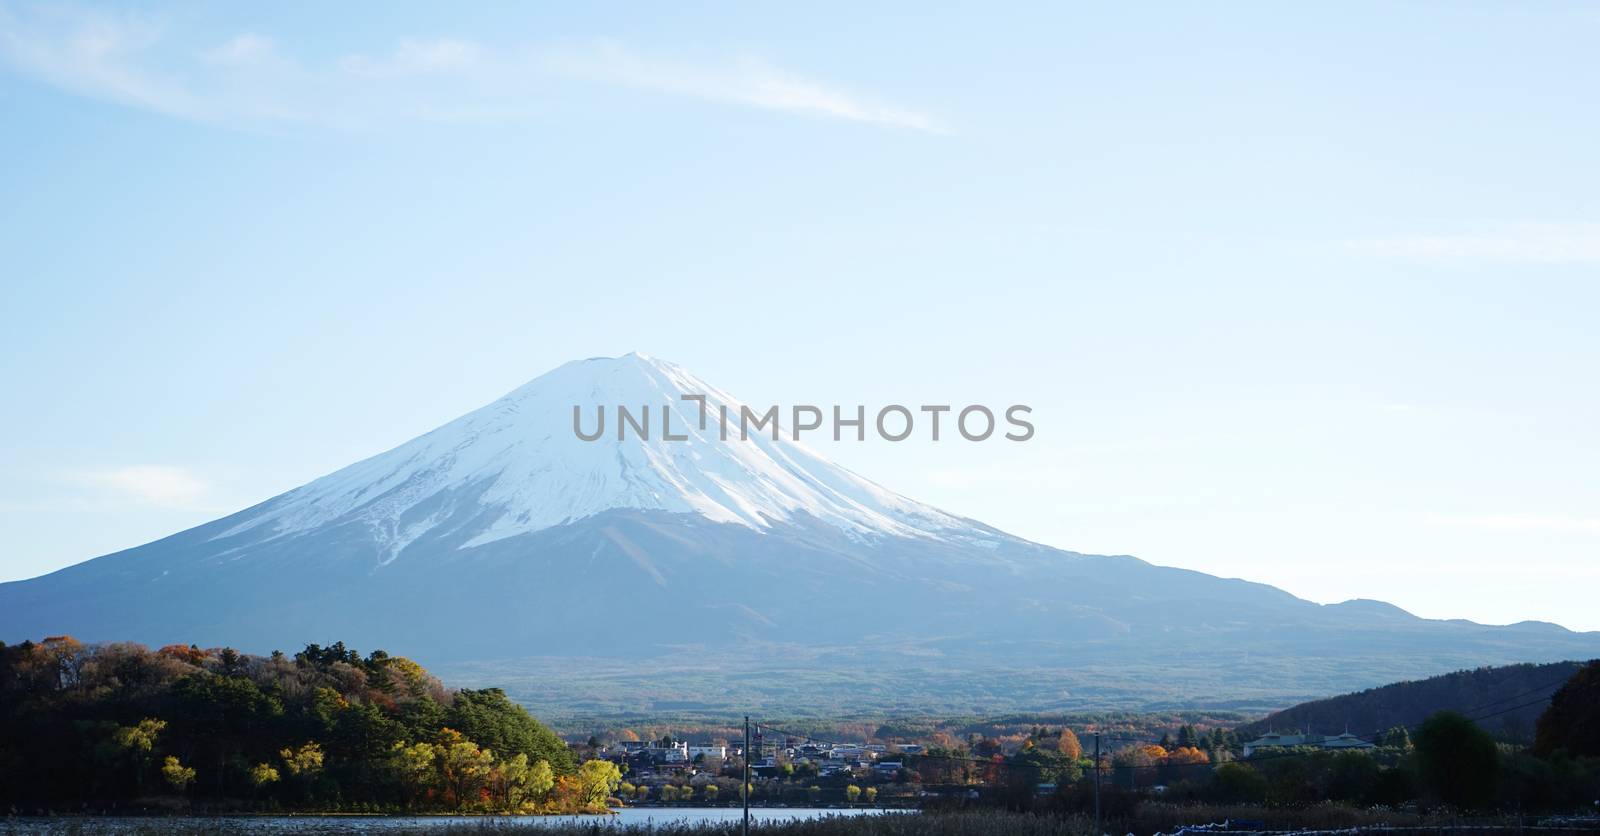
[(121, 726)]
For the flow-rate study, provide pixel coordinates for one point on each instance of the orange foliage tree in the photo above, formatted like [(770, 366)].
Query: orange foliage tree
[(1068, 745)]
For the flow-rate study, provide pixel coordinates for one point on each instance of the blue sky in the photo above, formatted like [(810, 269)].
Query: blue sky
[(1303, 296)]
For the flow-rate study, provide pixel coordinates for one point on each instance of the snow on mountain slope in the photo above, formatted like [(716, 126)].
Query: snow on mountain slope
[(518, 464)]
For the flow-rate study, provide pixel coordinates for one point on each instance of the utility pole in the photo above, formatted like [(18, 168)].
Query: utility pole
[(744, 789), (1097, 830)]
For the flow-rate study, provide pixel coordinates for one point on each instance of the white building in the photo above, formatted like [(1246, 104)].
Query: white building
[(676, 753)]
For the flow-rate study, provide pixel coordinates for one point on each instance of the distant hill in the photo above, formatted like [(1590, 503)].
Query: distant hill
[(1505, 700)]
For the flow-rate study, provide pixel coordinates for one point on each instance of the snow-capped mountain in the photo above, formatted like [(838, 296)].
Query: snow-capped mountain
[(504, 535), (516, 466)]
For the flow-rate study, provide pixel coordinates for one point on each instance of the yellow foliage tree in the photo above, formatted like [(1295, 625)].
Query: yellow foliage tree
[(263, 774), (414, 764), (141, 737), (178, 775), (541, 779), (597, 780), (466, 767), (304, 762), (137, 742)]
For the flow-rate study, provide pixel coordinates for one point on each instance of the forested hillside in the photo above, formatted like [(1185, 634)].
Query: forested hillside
[(118, 725), (1506, 701)]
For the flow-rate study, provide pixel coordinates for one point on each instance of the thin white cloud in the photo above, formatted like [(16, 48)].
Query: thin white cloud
[(748, 81), (165, 486), (94, 54), (1522, 522), (246, 79), (140, 488), (1521, 243), (242, 80)]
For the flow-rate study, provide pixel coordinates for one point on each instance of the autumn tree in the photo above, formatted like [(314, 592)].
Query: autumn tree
[(177, 775), (597, 780), (508, 782), (540, 780), (1135, 760), (304, 763), (464, 766), (188, 654), (137, 745), (1068, 745), (413, 766), (64, 657), (263, 774)]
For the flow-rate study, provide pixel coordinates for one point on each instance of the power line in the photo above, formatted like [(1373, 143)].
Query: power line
[(1555, 684)]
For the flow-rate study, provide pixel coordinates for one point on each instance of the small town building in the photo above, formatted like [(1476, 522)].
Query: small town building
[(1275, 740)]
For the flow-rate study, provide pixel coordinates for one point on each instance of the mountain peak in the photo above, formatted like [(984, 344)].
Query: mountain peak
[(631, 357), (519, 465)]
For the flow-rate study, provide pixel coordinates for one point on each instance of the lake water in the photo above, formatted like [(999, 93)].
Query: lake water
[(310, 825)]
